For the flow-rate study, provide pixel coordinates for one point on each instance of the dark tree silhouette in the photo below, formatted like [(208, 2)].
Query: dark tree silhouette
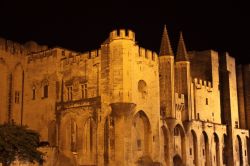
[(18, 142)]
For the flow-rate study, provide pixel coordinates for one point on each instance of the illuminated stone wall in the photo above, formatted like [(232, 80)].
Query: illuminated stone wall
[(122, 104)]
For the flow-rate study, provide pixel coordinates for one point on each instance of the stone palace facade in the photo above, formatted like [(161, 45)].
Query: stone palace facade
[(124, 105)]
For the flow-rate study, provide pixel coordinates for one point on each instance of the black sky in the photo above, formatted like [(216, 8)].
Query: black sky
[(81, 25)]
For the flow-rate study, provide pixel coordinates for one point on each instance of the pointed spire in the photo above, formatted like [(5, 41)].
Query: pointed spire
[(181, 50), (165, 44)]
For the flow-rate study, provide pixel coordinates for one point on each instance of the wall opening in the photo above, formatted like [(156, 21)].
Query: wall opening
[(195, 148)]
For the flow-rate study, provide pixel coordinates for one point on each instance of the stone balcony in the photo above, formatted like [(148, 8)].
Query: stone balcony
[(92, 103)]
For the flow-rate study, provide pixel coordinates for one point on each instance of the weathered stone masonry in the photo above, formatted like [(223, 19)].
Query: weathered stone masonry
[(126, 105)]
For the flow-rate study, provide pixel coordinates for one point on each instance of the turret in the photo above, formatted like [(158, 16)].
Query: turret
[(122, 34), (181, 51), (165, 49), (166, 69), (182, 77)]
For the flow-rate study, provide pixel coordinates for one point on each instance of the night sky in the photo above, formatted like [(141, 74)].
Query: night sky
[(82, 26)]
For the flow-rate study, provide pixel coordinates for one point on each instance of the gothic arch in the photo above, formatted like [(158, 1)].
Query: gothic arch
[(89, 141), (18, 65), (239, 150), (68, 131), (216, 144), (205, 149), (195, 148), (180, 142), (177, 160), (141, 136)]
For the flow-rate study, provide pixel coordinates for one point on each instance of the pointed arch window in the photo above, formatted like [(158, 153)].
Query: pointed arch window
[(45, 84)]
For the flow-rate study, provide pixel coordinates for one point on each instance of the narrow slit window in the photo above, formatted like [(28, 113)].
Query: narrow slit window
[(45, 91), (33, 93)]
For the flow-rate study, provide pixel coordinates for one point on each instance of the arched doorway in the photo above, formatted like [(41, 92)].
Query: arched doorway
[(177, 160), (165, 133), (194, 148), (205, 149), (216, 158), (239, 150), (179, 142), (68, 134), (141, 134), (89, 141)]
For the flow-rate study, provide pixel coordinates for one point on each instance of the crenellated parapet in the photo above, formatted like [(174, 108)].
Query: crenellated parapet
[(20, 49), (42, 56), (147, 54), (179, 102), (202, 84), (179, 105), (70, 58), (12, 47), (122, 34)]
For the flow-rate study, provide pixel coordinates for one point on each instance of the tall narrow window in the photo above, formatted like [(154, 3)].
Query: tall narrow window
[(33, 93), (70, 93), (73, 136), (206, 101), (176, 132), (236, 124), (17, 96), (139, 147), (84, 90), (57, 89), (45, 91)]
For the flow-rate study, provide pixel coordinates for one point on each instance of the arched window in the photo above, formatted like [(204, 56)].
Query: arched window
[(45, 85), (142, 88)]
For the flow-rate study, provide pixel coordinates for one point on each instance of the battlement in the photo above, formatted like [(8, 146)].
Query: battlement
[(199, 84), (42, 55), (148, 54), (12, 47), (17, 48), (179, 103), (74, 57), (122, 34), (179, 98)]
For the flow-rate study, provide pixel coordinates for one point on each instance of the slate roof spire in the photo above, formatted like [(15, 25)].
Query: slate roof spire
[(182, 54), (165, 48)]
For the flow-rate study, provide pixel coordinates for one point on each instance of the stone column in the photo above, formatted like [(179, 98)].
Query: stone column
[(122, 113)]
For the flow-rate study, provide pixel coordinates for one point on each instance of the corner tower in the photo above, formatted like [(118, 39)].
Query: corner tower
[(129, 83)]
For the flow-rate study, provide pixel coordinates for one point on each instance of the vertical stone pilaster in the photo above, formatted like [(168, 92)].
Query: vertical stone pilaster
[(122, 118)]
